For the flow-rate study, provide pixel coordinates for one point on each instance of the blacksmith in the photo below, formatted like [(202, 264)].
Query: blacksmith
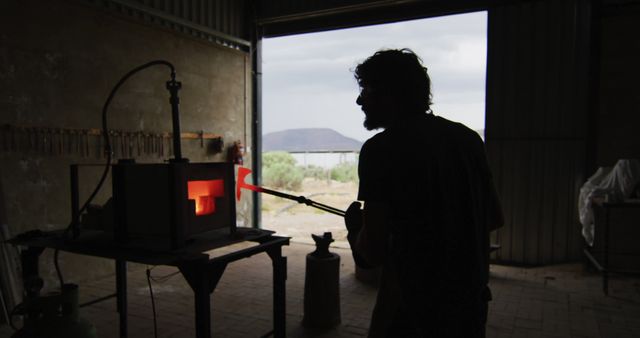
[(429, 205)]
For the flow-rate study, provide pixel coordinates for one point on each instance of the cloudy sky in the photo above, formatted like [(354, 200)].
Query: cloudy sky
[(308, 80)]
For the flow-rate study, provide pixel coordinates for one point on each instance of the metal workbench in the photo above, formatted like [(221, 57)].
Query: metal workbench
[(200, 270)]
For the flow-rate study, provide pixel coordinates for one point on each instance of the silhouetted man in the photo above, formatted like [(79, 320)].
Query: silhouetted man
[(429, 205)]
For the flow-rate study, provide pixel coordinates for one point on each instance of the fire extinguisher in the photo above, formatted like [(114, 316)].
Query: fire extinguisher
[(235, 153)]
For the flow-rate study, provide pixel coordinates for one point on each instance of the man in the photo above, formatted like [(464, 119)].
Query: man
[(429, 205)]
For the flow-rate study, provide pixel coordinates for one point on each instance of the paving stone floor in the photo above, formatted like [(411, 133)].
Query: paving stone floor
[(555, 301)]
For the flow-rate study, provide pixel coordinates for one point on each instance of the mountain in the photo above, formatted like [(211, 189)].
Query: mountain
[(309, 140)]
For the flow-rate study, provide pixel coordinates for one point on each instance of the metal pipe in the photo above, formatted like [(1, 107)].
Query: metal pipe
[(173, 86), (75, 201), (299, 199)]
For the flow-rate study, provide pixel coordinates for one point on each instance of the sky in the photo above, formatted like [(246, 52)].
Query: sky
[(308, 79)]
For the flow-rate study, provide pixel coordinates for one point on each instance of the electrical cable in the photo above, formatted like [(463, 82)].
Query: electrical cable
[(56, 263), (153, 304), (164, 278), (161, 279), (108, 150)]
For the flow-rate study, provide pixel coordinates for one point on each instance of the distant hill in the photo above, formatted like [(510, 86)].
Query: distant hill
[(309, 140)]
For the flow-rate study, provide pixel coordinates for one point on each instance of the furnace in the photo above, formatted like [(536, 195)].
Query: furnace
[(165, 206)]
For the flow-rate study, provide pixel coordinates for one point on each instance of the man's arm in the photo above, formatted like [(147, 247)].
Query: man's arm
[(368, 233), (374, 237), (369, 239)]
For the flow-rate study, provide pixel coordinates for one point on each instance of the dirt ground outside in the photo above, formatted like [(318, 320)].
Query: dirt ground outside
[(299, 221)]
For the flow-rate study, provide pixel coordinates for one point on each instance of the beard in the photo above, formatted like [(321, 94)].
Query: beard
[(371, 124), (374, 120)]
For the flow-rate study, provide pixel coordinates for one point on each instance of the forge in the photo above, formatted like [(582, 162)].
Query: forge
[(166, 205)]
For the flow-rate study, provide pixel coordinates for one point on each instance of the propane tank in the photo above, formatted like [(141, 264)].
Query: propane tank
[(54, 315), (322, 285)]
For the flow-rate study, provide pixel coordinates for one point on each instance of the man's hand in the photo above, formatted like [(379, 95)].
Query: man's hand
[(353, 221), (353, 218)]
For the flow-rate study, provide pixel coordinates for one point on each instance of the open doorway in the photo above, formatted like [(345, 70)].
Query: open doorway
[(312, 127)]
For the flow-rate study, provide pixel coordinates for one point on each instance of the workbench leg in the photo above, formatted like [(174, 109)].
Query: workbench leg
[(203, 279), (279, 292), (203, 311), (121, 295)]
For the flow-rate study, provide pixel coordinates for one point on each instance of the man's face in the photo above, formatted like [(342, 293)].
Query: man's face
[(377, 107)]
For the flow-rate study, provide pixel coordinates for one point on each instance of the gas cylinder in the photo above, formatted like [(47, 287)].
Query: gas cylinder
[(54, 315), (322, 285)]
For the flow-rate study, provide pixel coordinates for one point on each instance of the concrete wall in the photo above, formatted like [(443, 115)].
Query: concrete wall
[(58, 62), (618, 120)]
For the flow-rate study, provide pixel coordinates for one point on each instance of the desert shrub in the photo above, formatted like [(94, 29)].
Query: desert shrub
[(279, 171), (273, 157), (345, 172), (314, 171)]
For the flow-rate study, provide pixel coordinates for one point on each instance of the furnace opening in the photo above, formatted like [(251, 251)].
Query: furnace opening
[(204, 194)]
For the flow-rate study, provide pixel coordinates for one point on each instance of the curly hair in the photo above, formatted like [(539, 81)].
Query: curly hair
[(400, 73)]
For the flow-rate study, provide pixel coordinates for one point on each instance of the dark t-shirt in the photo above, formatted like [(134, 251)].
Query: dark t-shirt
[(434, 176)]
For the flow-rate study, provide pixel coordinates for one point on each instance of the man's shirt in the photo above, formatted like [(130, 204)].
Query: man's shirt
[(432, 176)]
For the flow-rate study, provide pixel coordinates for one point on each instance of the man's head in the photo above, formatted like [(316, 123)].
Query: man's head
[(393, 84)]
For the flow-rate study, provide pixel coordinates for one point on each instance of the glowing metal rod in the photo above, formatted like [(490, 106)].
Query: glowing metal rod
[(244, 172)]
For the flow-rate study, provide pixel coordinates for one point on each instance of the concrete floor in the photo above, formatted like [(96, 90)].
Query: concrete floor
[(554, 301)]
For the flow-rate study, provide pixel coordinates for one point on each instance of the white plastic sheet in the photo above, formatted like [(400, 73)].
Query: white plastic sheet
[(608, 184)]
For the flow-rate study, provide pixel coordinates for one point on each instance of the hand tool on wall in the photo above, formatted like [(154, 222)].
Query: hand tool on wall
[(90, 142), (242, 174)]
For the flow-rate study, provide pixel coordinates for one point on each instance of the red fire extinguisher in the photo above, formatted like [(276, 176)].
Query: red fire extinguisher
[(235, 153)]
